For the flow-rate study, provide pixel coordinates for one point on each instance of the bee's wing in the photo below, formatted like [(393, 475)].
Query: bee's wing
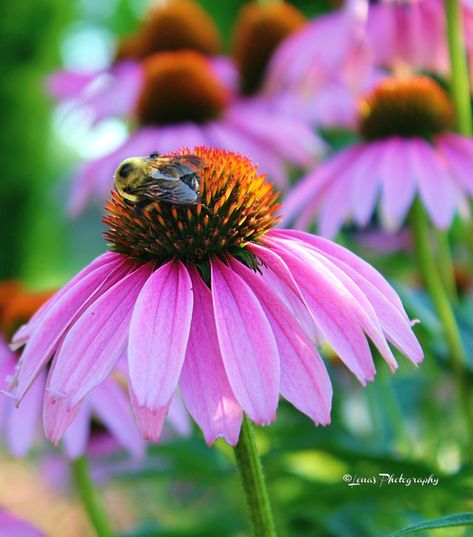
[(176, 192), (172, 168)]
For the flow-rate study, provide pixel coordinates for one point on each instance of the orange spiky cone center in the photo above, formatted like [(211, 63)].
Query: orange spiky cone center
[(179, 87), (406, 107), (260, 29), (175, 25), (237, 206)]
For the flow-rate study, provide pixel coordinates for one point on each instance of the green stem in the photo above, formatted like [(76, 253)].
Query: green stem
[(445, 264), (88, 495), (460, 87), (433, 282), (254, 485)]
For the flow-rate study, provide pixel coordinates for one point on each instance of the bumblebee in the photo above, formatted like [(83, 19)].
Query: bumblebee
[(168, 179)]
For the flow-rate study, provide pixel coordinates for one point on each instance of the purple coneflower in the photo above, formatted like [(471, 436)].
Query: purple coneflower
[(408, 150), (20, 426), (209, 298)]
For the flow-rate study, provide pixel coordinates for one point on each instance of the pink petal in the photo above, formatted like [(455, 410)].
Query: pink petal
[(365, 176), (76, 437), (304, 378), (436, 188), (334, 310), (26, 330), (110, 404), (344, 255), (458, 153), (398, 185), (150, 422), (11, 526), (394, 322), (22, 423), (55, 321), (97, 340), (204, 384), (159, 331), (247, 344)]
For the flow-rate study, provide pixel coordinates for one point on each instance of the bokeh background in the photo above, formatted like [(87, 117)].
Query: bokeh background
[(408, 424)]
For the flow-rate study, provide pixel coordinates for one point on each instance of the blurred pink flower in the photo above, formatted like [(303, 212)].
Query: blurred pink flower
[(107, 403), (12, 526), (408, 151), (216, 303), (178, 99)]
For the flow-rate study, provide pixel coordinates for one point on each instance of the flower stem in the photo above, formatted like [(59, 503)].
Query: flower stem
[(254, 485), (460, 89), (444, 257), (434, 284), (88, 495)]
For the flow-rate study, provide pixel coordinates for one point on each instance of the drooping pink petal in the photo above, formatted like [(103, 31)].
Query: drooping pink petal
[(304, 379), (61, 313), (364, 310), (150, 422), (249, 350), (436, 188), (98, 339), (281, 279), (23, 333), (22, 423), (204, 384), (394, 322), (334, 311), (110, 404), (344, 255), (57, 416), (159, 331), (399, 185), (77, 435)]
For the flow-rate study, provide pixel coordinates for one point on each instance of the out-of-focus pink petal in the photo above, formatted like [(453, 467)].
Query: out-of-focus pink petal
[(304, 199), (436, 188), (365, 176), (304, 378), (335, 206), (76, 437), (458, 153), (288, 136), (11, 526), (223, 134), (22, 423), (68, 84), (61, 313), (399, 186), (159, 331), (178, 416), (247, 344), (110, 404), (334, 311), (203, 382), (97, 340)]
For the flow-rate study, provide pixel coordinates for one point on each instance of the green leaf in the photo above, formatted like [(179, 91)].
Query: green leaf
[(450, 521)]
